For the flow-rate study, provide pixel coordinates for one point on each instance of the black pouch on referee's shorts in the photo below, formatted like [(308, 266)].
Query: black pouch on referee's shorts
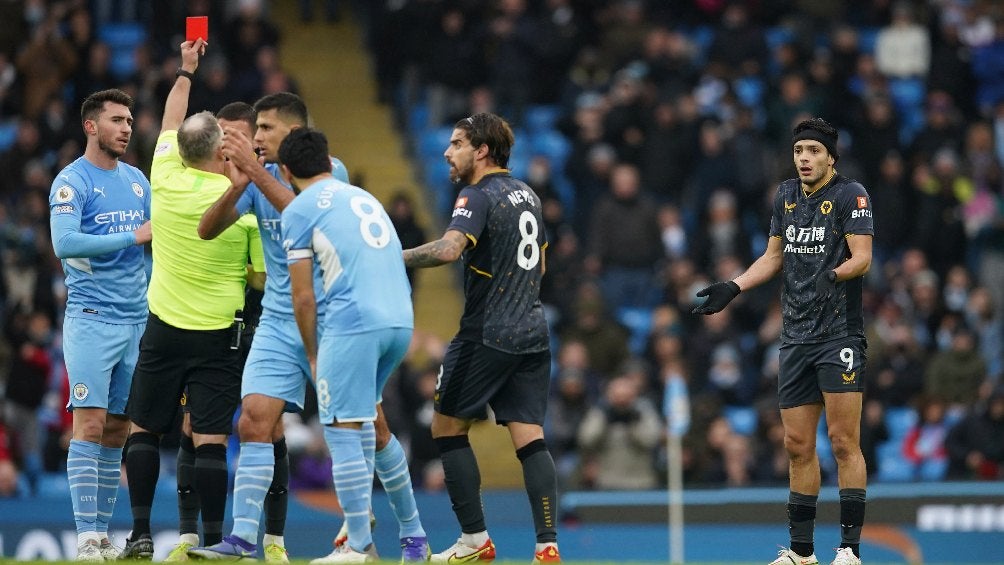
[(236, 329)]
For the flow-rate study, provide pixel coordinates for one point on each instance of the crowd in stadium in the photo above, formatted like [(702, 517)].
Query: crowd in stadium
[(656, 134)]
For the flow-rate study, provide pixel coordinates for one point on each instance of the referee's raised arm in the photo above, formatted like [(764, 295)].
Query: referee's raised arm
[(177, 100)]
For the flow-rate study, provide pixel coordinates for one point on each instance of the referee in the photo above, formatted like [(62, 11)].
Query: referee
[(191, 339)]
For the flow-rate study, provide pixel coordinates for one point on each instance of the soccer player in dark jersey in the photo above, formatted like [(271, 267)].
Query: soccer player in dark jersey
[(500, 356), (821, 239)]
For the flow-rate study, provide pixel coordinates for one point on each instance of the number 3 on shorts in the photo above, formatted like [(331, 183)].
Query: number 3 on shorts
[(847, 356)]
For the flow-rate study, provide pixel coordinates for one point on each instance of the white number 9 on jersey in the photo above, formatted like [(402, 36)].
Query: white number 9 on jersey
[(528, 231)]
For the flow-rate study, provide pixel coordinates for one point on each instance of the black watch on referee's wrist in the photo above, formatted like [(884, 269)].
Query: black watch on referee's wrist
[(183, 73)]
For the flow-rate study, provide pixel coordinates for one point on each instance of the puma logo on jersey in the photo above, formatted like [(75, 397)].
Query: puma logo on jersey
[(100, 191), (789, 207)]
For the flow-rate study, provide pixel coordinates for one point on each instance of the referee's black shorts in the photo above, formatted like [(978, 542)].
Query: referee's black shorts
[(475, 376), (171, 359)]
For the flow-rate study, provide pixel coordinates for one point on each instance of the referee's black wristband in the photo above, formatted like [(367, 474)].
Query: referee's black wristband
[(183, 73)]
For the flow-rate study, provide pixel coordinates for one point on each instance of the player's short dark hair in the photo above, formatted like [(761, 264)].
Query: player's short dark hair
[(95, 103), (238, 112), (305, 153), (288, 105), (820, 130), (491, 130)]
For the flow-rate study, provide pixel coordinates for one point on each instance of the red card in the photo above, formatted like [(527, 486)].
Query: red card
[(196, 27)]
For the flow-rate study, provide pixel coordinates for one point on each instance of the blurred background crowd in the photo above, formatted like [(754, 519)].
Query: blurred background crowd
[(656, 134)]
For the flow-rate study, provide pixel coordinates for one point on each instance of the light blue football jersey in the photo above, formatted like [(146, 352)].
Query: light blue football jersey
[(346, 231), (110, 286), (277, 299)]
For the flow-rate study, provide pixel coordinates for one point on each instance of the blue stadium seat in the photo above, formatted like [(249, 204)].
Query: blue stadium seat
[(432, 143), (127, 35), (749, 90), (908, 100), (519, 164), (702, 36), (892, 465), (122, 38), (8, 134), (743, 419), (565, 189), (932, 470), (867, 37), (552, 144), (907, 92), (638, 321), (900, 421), (777, 36), (52, 484), (438, 186), (418, 117), (122, 63), (541, 117)]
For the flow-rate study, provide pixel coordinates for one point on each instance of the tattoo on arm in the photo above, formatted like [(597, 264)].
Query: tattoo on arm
[(433, 254)]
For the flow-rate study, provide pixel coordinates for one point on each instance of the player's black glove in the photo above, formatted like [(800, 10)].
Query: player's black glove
[(826, 284), (719, 295)]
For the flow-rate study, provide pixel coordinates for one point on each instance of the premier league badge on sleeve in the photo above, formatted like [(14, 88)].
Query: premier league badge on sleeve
[(64, 193)]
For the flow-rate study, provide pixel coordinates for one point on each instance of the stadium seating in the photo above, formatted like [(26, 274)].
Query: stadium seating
[(899, 421), (418, 117), (908, 100), (541, 117), (777, 36), (743, 419), (638, 321), (867, 37), (122, 38), (892, 465), (8, 133)]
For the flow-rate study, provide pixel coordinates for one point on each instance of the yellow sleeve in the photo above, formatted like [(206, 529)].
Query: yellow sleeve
[(166, 159)]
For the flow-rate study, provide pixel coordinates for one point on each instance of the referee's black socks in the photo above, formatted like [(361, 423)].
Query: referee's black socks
[(188, 498), (211, 483), (142, 469)]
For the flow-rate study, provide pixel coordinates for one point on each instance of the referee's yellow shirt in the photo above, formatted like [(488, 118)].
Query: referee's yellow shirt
[(196, 284)]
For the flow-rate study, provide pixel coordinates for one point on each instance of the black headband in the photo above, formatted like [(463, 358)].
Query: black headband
[(830, 143)]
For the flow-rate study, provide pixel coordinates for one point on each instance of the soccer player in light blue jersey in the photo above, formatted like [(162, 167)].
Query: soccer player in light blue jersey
[(367, 323), (99, 217), (277, 372)]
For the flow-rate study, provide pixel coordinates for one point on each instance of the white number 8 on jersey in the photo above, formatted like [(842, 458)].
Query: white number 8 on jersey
[(528, 231), (368, 218)]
